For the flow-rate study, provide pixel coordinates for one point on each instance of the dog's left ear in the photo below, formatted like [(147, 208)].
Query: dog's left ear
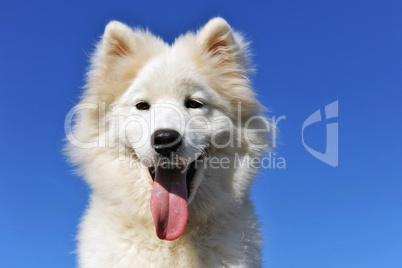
[(216, 37)]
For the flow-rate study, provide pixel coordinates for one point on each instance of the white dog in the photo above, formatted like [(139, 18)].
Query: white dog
[(168, 137)]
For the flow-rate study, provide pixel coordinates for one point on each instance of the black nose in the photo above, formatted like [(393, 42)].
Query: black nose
[(165, 141)]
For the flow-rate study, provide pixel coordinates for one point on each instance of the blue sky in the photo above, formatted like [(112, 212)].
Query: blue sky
[(307, 53)]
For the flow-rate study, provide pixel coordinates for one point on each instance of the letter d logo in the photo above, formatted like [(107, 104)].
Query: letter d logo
[(331, 149)]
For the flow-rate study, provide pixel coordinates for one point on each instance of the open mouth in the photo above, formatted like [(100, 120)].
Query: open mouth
[(169, 200), (189, 175)]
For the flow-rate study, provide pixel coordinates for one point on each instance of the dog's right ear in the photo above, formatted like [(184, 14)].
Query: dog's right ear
[(118, 40), (118, 57), (116, 60)]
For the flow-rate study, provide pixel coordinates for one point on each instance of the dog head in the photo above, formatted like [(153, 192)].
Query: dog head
[(173, 107)]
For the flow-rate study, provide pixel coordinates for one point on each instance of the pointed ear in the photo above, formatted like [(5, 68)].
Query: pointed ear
[(118, 39), (216, 37)]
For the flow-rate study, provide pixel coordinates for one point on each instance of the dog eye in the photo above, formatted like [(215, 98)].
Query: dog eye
[(193, 104), (142, 105)]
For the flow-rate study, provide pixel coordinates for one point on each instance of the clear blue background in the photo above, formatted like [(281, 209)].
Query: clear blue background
[(308, 54)]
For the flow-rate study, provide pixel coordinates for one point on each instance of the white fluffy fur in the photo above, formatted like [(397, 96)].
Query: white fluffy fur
[(128, 65)]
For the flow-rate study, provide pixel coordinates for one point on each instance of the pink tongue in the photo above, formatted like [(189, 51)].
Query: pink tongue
[(169, 203)]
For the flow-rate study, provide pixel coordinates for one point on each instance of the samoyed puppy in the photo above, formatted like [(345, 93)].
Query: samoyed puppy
[(168, 137)]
